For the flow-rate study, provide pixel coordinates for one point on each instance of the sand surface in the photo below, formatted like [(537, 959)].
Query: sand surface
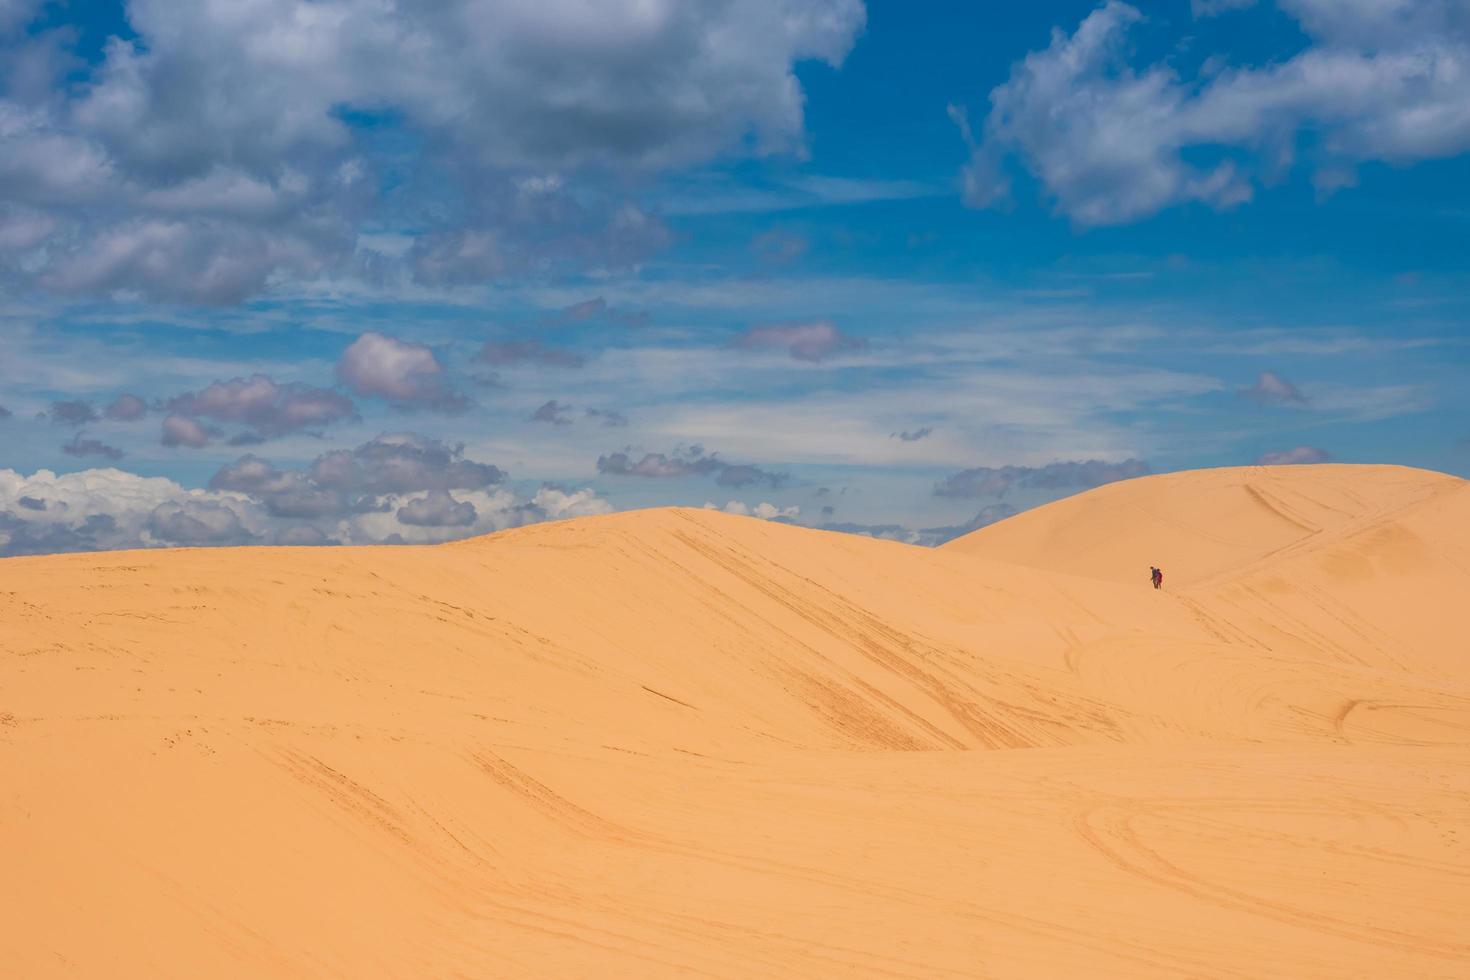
[(680, 743)]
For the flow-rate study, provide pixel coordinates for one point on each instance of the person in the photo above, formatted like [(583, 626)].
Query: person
[(1157, 575)]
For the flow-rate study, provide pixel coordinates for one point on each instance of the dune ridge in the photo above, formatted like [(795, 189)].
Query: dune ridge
[(680, 743)]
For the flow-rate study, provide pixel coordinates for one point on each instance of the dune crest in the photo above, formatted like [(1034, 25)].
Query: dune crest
[(677, 742)]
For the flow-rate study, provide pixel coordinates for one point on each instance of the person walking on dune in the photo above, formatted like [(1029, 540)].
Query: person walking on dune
[(1156, 575)]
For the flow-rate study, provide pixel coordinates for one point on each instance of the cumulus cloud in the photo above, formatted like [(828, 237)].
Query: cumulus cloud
[(197, 522), (252, 502), (765, 511), (403, 463), (79, 446), (997, 481), (179, 430), (398, 371), (437, 509), (816, 340), (558, 503), (217, 147), (1112, 143), (1291, 457), (126, 408), (106, 509), (267, 408), (203, 261), (283, 493), (1272, 389), (351, 481), (513, 352), (687, 462)]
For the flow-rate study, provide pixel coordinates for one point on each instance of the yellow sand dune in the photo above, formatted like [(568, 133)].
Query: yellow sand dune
[(680, 743)]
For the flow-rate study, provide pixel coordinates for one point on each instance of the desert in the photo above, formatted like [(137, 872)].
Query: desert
[(676, 742)]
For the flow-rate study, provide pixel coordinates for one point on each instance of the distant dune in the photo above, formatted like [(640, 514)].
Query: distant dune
[(681, 743)]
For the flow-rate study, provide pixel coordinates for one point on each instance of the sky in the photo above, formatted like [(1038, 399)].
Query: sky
[(368, 271)]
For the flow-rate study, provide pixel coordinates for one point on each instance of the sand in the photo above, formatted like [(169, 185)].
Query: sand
[(682, 743)]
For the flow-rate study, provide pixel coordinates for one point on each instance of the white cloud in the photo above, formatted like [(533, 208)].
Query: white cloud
[(179, 430), (217, 149), (559, 504), (764, 510), (1385, 80), (396, 370), (112, 509), (109, 509)]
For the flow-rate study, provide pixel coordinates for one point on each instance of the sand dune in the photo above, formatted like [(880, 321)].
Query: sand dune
[(680, 743)]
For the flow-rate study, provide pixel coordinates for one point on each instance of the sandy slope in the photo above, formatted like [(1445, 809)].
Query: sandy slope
[(678, 743)]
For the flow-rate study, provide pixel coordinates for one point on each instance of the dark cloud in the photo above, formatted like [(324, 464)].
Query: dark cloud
[(197, 522), (552, 412), (1272, 389), (608, 417), (32, 503), (71, 413), (689, 462), (126, 408), (814, 340), (657, 465), (403, 463), (241, 440), (179, 430), (987, 481), (512, 352), (345, 482), (5, 413), (91, 447), (266, 407), (915, 435), (988, 515), (1290, 457), (352, 481), (96, 532), (437, 509), (406, 374), (304, 535), (285, 493), (745, 475)]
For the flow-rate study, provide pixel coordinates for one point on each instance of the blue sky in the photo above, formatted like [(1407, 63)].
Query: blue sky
[(280, 271)]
